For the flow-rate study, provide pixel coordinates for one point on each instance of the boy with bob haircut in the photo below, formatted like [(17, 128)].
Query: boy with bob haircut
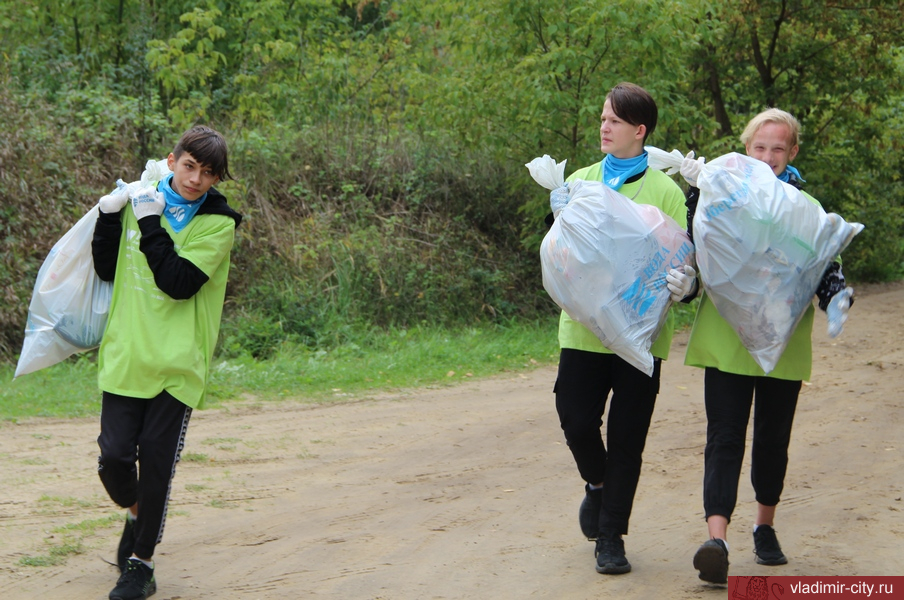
[(590, 376), (168, 257)]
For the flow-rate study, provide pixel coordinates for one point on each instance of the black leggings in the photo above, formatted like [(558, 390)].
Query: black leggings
[(728, 398), (149, 433), (582, 389)]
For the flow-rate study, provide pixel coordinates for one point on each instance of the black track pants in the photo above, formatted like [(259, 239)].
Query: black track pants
[(148, 435)]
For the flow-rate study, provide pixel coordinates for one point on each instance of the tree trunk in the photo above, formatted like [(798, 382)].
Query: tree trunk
[(78, 40), (720, 114)]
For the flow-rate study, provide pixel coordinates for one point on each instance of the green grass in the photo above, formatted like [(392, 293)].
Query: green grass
[(197, 457), (684, 315), (70, 538), (56, 555), (89, 527), (392, 360), (50, 503), (68, 389), (376, 362)]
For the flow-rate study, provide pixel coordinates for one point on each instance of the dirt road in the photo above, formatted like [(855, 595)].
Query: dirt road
[(469, 492)]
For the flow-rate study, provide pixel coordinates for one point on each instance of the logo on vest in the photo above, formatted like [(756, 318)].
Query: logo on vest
[(178, 212)]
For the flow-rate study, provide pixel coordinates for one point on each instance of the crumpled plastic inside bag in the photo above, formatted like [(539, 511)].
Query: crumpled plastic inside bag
[(69, 304), (762, 249), (604, 261)]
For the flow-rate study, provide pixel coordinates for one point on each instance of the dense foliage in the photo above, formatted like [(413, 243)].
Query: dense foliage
[(379, 145)]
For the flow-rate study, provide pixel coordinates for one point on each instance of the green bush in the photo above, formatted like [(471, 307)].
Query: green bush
[(374, 229), (56, 159), (355, 226)]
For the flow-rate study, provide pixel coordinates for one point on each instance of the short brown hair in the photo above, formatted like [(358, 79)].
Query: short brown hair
[(207, 147), (772, 115), (634, 105)]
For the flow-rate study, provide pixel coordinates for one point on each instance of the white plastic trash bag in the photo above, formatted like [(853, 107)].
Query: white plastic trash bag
[(661, 160), (762, 249), (604, 261), (69, 303)]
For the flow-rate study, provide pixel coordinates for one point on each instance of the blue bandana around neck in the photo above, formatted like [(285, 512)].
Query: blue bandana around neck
[(616, 171), (789, 171), (178, 211)]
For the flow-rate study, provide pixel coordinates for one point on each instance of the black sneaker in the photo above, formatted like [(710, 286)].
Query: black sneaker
[(610, 553), (766, 548), (711, 560), (589, 513), (126, 544), (136, 582)]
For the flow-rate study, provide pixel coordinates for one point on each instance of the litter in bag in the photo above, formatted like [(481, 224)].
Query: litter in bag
[(69, 304), (762, 248), (604, 261)]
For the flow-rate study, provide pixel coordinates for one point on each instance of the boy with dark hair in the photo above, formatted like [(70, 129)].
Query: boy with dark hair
[(168, 257), (588, 371)]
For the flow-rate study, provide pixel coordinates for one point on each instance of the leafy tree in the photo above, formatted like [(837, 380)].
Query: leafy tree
[(834, 66), (813, 56), (380, 143), (531, 76)]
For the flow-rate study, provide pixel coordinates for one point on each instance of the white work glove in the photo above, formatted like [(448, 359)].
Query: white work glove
[(147, 202), (115, 200), (837, 310), (681, 284), (558, 198), (690, 168)]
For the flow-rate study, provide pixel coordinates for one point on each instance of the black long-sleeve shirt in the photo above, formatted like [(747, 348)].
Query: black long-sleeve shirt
[(177, 277)]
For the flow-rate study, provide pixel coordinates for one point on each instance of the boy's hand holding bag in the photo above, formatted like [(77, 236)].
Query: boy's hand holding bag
[(70, 303), (115, 200), (605, 260), (762, 248), (147, 202)]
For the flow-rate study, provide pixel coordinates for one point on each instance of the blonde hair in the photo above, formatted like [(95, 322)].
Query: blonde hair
[(772, 115)]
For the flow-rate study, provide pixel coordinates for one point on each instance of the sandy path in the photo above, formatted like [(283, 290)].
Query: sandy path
[(469, 492)]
